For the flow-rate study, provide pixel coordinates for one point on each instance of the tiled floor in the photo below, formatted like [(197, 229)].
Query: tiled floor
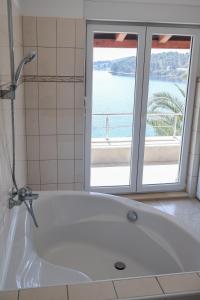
[(161, 287), (120, 175), (185, 211)]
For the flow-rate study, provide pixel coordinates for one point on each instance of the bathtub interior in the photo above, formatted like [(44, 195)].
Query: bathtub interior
[(90, 234), (82, 235)]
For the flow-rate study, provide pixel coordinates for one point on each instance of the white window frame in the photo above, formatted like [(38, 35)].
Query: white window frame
[(140, 105), (140, 30), (181, 185)]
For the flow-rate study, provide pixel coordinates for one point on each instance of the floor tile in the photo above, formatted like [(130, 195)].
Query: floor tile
[(175, 283), (49, 293), (7, 295), (137, 287), (92, 291)]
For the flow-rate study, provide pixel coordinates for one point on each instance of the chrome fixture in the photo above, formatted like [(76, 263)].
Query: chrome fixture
[(17, 196), (10, 92), (26, 196), (27, 59), (132, 216)]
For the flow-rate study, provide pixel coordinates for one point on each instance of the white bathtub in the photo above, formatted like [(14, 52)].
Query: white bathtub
[(82, 235)]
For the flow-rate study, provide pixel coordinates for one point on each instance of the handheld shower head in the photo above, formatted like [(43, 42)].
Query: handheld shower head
[(27, 59)]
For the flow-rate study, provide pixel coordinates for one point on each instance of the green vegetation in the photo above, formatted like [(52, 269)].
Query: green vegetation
[(164, 66), (164, 102)]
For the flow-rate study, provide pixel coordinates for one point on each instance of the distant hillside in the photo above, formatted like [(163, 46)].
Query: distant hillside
[(164, 66)]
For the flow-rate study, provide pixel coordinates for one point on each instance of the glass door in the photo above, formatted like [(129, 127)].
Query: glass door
[(140, 88), (114, 92), (169, 82)]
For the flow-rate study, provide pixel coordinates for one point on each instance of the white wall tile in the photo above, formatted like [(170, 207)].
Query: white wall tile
[(65, 61), (46, 61), (79, 146), (79, 95), (33, 172), (55, 111), (65, 121), (65, 32), (33, 147), (49, 187), (48, 147), (29, 31), (79, 170), (65, 171), (65, 146), (79, 62), (65, 95), (31, 95), (66, 186), (48, 171), (79, 121), (35, 187), (80, 33), (47, 121), (47, 95), (46, 31), (32, 122), (20, 124), (78, 186), (4, 42)]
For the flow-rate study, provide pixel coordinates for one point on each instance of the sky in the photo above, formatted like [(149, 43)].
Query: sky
[(100, 54)]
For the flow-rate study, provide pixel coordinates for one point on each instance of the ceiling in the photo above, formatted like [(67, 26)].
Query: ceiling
[(171, 2)]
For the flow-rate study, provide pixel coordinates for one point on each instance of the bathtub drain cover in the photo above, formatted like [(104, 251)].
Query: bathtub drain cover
[(119, 265)]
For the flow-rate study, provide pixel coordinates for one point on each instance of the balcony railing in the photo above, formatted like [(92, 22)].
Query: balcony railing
[(107, 127)]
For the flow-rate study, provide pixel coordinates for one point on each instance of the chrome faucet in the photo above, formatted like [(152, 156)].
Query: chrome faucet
[(26, 196)]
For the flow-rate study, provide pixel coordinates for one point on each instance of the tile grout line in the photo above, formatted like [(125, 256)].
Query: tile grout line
[(57, 100), (160, 285), (115, 288), (75, 24), (24, 96), (198, 274), (38, 103), (67, 288)]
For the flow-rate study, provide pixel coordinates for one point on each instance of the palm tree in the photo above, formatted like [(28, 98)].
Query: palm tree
[(164, 102)]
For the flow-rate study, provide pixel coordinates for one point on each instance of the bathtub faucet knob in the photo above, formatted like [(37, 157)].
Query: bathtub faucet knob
[(26, 196)]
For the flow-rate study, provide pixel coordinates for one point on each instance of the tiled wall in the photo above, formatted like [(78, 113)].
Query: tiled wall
[(5, 111), (54, 99)]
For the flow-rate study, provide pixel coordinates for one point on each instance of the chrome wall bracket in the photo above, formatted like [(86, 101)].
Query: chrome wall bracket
[(8, 93)]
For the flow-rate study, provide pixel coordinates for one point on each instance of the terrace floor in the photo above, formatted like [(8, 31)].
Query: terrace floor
[(112, 175), (186, 212)]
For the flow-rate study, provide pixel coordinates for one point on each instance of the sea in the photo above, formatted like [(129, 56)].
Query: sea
[(113, 94)]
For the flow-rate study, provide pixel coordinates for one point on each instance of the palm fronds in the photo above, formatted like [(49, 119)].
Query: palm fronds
[(162, 110)]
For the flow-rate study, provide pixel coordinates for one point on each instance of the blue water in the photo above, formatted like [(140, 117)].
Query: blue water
[(115, 94)]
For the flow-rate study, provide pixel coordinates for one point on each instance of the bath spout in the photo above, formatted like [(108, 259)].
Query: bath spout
[(26, 196), (31, 212)]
